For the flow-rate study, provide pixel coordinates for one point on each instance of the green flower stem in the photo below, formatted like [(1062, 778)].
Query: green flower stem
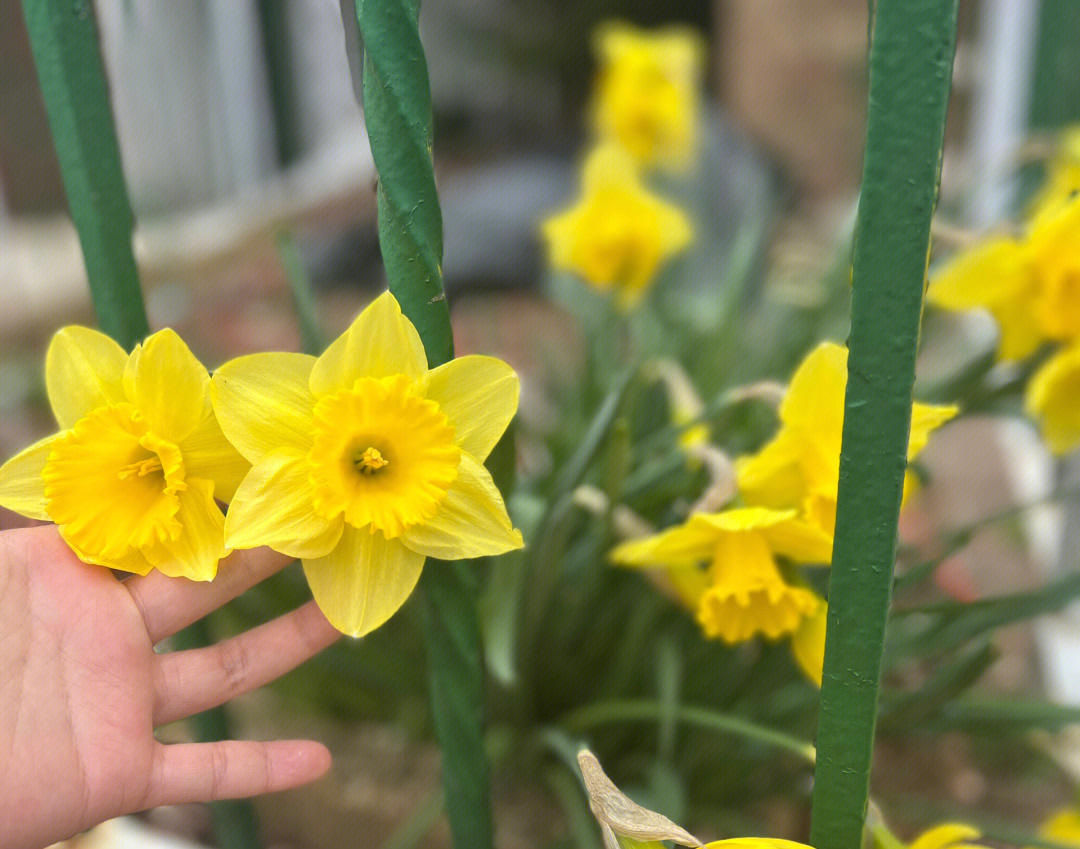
[(913, 43), (397, 110), (64, 39)]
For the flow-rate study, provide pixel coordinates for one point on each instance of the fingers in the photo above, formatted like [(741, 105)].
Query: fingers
[(169, 604), (186, 682), (232, 769)]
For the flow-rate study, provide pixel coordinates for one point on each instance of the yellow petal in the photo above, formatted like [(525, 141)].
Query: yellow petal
[(1053, 399), (755, 843), (995, 275), (947, 834), (134, 561), (167, 385), (22, 488), (679, 546), (808, 643), (262, 403), (84, 369), (740, 519), (800, 540), (195, 553), (363, 581), (815, 399), (925, 419), (273, 507), (480, 396), (381, 342), (471, 522), (209, 455), (1062, 826), (773, 477)]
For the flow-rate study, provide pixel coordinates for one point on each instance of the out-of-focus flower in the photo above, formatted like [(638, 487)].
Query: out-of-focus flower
[(131, 478), (1062, 826), (744, 594), (1062, 174), (647, 92), (365, 462), (619, 234), (1053, 399), (799, 469), (950, 835), (1030, 285)]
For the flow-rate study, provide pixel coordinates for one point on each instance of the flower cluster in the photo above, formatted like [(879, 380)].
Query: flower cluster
[(788, 493), (362, 462), (619, 234), (1030, 284)]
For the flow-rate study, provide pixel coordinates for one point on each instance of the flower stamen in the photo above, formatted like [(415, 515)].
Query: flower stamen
[(371, 461), (141, 469)]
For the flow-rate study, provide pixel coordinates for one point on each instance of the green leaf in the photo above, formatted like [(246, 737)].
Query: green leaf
[(312, 338)]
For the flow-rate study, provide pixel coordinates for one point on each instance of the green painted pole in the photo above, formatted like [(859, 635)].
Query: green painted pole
[(911, 56), (397, 111), (64, 40)]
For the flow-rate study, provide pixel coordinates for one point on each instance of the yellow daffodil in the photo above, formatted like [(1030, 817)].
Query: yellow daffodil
[(951, 835), (1062, 174), (744, 594), (365, 462), (618, 234), (1062, 826), (647, 92), (799, 469), (1030, 285), (132, 475), (1053, 399)]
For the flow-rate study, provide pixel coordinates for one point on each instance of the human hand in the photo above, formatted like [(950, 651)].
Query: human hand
[(81, 689)]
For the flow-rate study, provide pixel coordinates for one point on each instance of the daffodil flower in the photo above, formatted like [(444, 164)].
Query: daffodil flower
[(647, 92), (799, 469), (1062, 826), (132, 476), (365, 462), (1053, 399), (618, 235), (1031, 285), (742, 593)]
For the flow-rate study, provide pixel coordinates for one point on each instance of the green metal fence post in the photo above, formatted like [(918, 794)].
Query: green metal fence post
[(913, 42), (64, 40), (397, 110)]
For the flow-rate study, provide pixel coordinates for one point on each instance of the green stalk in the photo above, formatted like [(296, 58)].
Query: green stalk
[(913, 43), (64, 40), (397, 110)]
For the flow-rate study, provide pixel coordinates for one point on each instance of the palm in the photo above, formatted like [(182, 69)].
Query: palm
[(81, 689)]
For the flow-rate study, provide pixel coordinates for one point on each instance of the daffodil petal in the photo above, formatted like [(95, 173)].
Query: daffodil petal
[(196, 552), (134, 561), (926, 418), (947, 834), (168, 386), (381, 342), (1051, 399), (808, 643), (480, 396), (22, 488), (773, 477), (814, 401), (471, 522), (755, 843), (363, 581), (802, 541), (84, 370), (273, 507), (209, 455), (679, 546), (262, 403)]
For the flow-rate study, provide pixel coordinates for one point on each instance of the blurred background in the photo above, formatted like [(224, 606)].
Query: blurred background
[(246, 161)]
